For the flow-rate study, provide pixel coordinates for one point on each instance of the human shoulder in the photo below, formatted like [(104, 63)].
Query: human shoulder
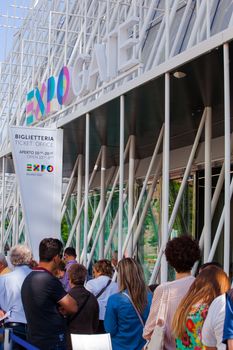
[(218, 302), (43, 278), (22, 270), (90, 283), (114, 286), (79, 291), (217, 309), (98, 282), (172, 286), (116, 298), (70, 263), (177, 284), (162, 287), (6, 276)]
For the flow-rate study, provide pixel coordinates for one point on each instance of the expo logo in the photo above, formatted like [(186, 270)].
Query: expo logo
[(115, 56), (40, 168)]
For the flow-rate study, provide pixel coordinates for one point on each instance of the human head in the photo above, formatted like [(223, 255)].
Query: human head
[(209, 284), (49, 248), (77, 274), (152, 287), (114, 259), (3, 262), (103, 268), (131, 277), (182, 252), (115, 254), (20, 254), (60, 270), (212, 263), (69, 254)]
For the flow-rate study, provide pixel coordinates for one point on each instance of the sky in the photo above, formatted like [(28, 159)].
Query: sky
[(16, 10)]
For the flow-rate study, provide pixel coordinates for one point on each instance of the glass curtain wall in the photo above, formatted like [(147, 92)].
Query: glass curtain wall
[(150, 238)]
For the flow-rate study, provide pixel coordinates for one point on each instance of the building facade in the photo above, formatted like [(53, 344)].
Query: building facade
[(142, 90)]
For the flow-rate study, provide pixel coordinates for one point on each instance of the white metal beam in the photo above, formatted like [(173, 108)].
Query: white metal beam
[(165, 186), (227, 196), (129, 251), (79, 202), (121, 177), (102, 198), (86, 193), (208, 184)]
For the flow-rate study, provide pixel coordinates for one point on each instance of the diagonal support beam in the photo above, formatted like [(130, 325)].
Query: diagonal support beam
[(79, 212), (136, 211), (179, 196), (107, 206)]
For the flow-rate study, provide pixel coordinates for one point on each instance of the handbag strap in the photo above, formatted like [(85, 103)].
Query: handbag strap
[(103, 289), (139, 316), (163, 307)]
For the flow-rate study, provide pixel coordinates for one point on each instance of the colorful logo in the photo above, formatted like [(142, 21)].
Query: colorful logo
[(47, 97), (40, 168)]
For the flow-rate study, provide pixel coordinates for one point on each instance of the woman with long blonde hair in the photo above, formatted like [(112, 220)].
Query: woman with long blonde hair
[(193, 308), (128, 310)]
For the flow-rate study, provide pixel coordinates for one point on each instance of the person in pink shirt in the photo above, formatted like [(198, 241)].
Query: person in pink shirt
[(181, 253)]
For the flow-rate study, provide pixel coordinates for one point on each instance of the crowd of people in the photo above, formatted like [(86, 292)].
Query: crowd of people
[(45, 302)]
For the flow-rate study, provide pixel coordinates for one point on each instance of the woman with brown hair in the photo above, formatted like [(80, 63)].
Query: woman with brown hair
[(193, 308), (102, 287), (127, 310), (79, 323)]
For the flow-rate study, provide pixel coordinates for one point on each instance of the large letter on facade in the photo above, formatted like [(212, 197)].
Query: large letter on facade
[(126, 58), (30, 107), (98, 66)]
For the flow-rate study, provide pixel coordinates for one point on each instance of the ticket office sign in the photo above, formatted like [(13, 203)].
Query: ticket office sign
[(37, 156)]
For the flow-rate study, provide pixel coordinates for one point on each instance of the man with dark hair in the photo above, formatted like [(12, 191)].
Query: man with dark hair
[(43, 296), (50, 247), (70, 254), (70, 259)]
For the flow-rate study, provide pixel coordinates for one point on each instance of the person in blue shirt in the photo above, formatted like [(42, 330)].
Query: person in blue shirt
[(128, 310), (10, 291), (228, 323)]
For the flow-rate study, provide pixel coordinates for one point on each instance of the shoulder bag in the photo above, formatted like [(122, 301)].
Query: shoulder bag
[(103, 289), (136, 310), (157, 338)]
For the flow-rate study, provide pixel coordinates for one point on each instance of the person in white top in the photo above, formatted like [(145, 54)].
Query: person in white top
[(212, 331), (102, 287), (10, 291)]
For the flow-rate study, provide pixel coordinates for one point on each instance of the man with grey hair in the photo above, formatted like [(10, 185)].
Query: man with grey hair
[(10, 291), (3, 265)]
